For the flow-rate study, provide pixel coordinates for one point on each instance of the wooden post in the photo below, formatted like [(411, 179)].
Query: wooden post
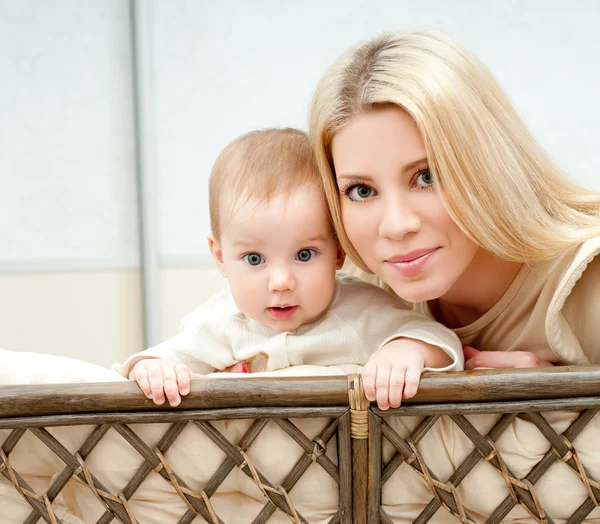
[(359, 430), (344, 444), (375, 439)]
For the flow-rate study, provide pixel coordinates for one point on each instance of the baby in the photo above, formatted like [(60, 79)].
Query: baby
[(273, 240)]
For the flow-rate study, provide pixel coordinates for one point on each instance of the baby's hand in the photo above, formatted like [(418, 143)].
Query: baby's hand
[(394, 371), (160, 377)]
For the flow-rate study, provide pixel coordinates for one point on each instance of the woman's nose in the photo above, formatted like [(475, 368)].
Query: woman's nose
[(399, 218)]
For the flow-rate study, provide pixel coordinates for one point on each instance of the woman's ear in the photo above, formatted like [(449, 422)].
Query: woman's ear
[(217, 253), (341, 256)]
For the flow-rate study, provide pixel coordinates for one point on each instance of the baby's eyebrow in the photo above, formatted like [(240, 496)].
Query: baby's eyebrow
[(245, 243), (317, 238)]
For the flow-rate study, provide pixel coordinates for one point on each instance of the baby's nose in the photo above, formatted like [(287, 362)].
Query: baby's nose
[(281, 280)]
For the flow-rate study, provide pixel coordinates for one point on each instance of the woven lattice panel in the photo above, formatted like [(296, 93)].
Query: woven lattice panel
[(488, 468), (224, 460)]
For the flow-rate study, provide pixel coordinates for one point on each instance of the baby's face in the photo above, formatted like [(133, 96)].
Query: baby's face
[(280, 258)]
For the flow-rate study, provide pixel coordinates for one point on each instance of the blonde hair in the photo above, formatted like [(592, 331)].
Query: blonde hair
[(259, 165), (495, 180)]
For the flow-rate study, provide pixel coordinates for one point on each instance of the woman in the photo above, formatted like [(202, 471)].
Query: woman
[(438, 189)]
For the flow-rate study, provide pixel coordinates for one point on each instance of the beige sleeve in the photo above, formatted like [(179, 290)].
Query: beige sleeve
[(409, 324), (354, 271), (202, 346), (582, 311), (379, 318)]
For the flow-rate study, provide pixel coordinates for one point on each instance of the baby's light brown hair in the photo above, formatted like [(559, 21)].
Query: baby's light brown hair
[(260, 165)]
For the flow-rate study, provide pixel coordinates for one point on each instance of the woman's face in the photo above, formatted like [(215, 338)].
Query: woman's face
[(391, 212)]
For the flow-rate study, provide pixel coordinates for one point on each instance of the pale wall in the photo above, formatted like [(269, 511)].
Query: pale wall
[(95, 316), (69, 278)]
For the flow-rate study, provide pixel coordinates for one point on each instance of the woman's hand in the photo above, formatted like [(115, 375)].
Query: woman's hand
[(475, 359)]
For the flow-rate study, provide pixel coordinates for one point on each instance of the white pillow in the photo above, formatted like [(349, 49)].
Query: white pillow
[(39, 368)]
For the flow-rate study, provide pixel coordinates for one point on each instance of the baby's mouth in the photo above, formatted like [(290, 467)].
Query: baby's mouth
[(282, 312)]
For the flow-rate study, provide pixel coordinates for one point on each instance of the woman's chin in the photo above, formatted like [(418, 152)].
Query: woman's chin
[(419, 291)]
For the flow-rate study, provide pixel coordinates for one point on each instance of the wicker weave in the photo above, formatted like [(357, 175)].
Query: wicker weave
[(350, 425)]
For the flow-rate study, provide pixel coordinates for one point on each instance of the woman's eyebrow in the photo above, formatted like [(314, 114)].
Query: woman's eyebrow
[(411, 165), (359, 176)]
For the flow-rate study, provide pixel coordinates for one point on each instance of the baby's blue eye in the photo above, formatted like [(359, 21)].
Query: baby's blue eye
[(304, 255), (253, 259)]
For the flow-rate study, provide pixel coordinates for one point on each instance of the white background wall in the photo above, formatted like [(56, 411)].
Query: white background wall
[(68, 198)]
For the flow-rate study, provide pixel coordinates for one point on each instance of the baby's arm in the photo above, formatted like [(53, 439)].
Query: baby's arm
[(167, 369), (394, 371), (400, 344)]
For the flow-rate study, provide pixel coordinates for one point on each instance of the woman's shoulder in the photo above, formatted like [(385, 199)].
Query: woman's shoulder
[(576, 302), (581, 275)]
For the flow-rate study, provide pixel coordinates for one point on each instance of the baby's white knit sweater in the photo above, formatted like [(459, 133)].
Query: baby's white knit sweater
[(359, 320)]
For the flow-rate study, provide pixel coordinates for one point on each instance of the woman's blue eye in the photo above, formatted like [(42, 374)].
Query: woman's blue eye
[(304, 255), (424, 178), (359, 192), (253, 259)]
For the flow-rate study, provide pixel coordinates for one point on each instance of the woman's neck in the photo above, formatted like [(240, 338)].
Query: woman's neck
[(479, 288)]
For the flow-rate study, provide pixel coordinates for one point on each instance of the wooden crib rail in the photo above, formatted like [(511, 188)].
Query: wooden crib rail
[(249, 392), (360, 431)]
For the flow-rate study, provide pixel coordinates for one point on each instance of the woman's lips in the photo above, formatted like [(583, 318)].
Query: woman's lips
[(282, 313), (411, 264)]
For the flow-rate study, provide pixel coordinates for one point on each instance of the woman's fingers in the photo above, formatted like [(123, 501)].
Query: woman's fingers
[(505, 359), (470, 352)]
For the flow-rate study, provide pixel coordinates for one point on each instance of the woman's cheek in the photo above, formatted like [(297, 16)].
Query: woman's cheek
[(360, 232)]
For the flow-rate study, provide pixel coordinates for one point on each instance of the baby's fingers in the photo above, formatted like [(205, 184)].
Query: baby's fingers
[(382, 383), (411, 382), (369, 374), (141, 377), (155, 376), (170, 386), (183, 378), (396, 386)]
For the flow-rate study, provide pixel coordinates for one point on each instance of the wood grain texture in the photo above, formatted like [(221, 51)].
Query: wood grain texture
[(465, 386)]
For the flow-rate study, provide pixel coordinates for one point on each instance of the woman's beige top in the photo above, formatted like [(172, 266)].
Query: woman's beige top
[(552, 308)]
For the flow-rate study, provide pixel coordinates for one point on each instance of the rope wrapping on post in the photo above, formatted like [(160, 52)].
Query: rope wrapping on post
[(359, 408)]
